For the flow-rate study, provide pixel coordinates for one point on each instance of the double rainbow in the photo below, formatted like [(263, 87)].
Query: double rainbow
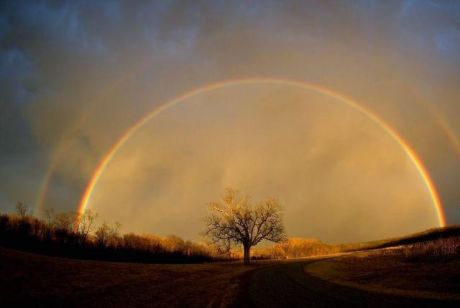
[(423, 173)]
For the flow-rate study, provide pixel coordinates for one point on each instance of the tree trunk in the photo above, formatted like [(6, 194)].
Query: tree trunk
[(246, 256)]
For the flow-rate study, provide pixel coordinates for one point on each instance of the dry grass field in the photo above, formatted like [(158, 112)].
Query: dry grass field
[(424, 272), (427, 269), (37, 280)]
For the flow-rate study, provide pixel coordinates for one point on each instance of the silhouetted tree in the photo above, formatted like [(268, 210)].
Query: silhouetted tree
[(85, 223), (21, 210), (64, 221), (106, 235), (49, 215), (233, 219)]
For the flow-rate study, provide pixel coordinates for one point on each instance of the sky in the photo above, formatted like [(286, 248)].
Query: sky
[(76, 75)]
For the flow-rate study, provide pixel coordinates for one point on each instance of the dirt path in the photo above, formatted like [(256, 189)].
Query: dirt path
[(287, 285)]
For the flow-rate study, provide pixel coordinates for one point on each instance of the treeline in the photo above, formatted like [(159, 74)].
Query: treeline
[(60, 235), (299, 248), (296, 248)]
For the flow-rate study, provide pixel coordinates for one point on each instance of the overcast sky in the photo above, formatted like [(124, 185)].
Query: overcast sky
[(75, 75)]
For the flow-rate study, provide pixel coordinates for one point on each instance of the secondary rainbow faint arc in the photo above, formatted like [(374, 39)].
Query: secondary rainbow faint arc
[(238, 82), (62, 148)]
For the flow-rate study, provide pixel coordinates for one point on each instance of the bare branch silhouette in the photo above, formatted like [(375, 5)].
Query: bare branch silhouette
[(234, 220)]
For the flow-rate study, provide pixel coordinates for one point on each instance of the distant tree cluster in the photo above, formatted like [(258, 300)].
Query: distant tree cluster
[(300, 247), (59, 234)]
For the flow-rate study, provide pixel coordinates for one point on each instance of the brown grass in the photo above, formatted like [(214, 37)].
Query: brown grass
[(427, 270), (27, 278), (419, 237), (433, 251)]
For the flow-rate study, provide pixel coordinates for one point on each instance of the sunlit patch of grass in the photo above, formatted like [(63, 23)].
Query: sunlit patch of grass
[(430, 251), (427, 269), (440, 249)]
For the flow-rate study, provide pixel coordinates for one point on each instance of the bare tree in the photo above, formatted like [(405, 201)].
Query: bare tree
[(21, 209), (106, 235), (85, 222), (64, 221), (49, 215), (233, 219)]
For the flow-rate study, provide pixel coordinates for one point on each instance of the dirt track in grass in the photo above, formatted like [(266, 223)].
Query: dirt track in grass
[(289, 285)]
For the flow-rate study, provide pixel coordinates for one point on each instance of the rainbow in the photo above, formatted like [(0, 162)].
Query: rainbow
[(423, 172), (440, 120), (445, 127), (43, 191), (63, 146), (44, 188)]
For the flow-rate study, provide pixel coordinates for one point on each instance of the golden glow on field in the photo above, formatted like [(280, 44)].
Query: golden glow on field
[(411, 154)]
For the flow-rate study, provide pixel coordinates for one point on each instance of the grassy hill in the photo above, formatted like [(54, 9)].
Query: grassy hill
[(424, 236), (424, 265), (306, 247)]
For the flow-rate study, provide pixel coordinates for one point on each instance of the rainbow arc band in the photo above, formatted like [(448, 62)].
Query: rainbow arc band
[(423, 172)]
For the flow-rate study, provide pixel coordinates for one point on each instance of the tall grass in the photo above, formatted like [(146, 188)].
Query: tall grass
[(440, 249), (430, 251)]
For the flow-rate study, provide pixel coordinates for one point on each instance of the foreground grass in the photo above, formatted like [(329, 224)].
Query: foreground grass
[(409, 271), (426, 269), (31, 279)]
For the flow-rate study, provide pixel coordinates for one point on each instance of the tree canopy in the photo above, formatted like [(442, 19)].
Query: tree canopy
[(234, 220)]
